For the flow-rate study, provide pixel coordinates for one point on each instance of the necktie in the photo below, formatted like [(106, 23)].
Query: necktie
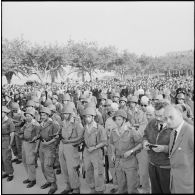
[(161, 127), (175, 134)]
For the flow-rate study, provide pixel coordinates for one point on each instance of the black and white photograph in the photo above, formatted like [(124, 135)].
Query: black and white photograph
[(97, 97)]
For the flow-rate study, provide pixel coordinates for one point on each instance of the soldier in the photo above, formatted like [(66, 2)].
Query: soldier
[(8, 129), (18, 120), (125, 141), (109, 125), (48, 129), (103, 99), (29, 131), (116, 97), (57, 104), (32, 104), (95, 139), (8, 101), (55, 117), (72, 133)]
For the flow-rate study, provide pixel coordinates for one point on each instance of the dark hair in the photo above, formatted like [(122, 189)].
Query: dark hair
[(160, 105)]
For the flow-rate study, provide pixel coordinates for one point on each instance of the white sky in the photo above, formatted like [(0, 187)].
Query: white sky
[(152, 28)]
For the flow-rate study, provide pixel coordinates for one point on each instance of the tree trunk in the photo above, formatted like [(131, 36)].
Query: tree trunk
[(9, 77), (83, 75)]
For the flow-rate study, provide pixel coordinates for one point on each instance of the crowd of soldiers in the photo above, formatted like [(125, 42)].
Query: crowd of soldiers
[(99, 130)]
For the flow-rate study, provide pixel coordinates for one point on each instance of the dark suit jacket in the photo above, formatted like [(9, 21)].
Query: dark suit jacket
[(182, 160)]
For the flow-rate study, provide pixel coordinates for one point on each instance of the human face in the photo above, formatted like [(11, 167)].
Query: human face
[(122, 103), (103, 101), (173, 117), (29, 117), (143, 106), (132, 104), (119, 121), (43, 98), (180, 101), (116, 99), (44, 116), (159, 115), (54, 100), (65, 102), (149, 116), (88, 119)]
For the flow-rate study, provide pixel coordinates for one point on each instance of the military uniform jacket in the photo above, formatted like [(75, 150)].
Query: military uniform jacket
[(48, 130), (7, 128), (95, 135), (30, 130)]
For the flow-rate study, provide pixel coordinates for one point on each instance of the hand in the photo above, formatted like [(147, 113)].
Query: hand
[(159, 148), (113, 158), (91, 149), (128, 153), (145, 143)]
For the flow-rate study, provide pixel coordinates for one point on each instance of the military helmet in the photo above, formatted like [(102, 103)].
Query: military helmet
[(103, 96), (67, 110), (123, 99), (52, 107), (45, 110), (110, 109), (181, 96), (66, 97), (15, 106), (30, 103), (5, 109), (108, 102), (30, 111), (121, 113), (133, 99), (90, 104), (89, 111), (35, 99), (47, 102), (82, 96), (87, 100), (116, 95)]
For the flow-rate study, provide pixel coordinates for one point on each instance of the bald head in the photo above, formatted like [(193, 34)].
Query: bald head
[(173, 116)]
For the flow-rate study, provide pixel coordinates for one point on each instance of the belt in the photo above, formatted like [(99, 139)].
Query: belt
[(161, 166)]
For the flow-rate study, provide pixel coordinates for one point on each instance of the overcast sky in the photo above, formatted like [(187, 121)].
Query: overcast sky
[(151, 28)]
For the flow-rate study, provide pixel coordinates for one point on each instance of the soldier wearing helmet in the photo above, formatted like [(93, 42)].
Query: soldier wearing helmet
[(32, 104), (7, 138), (95, 139), (57, 104), (18, 118), (72, 133), (28, 132), (48, 130), (56, 118), (109, 125), (116, 97), (125, 141)]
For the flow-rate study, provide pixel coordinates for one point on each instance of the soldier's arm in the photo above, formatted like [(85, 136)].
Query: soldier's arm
[(12, 130), (137, 139), (112, 145), (80, 131), (55, 130)]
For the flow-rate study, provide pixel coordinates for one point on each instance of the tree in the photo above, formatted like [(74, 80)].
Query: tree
[(45, 62), (83, 57), (13, 53)]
